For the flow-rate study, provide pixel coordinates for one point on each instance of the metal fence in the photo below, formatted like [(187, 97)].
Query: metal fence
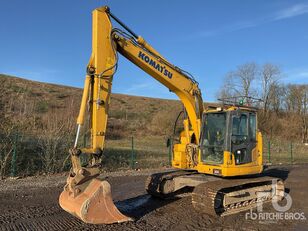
[(136, 153), (28, 154), (284, 152), (22, 155)]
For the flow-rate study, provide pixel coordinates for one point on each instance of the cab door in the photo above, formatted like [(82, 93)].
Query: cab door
[(243, 136)]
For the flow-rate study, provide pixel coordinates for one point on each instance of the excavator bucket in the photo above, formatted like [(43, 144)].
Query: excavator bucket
[(94, 205)]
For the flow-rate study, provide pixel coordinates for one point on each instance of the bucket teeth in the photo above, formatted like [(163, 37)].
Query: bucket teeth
[(94, 205)]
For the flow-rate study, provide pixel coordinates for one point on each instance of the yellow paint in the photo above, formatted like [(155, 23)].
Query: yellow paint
[(98, 89)]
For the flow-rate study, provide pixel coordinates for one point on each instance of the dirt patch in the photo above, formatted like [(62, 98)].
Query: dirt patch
[(32, 204)]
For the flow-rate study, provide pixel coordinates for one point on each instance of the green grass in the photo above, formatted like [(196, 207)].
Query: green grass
[(149, 152), (42, 107), (18, 89), (152, 152), (280, 152)]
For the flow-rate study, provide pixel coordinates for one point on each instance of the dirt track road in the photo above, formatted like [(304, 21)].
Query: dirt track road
[(32, 204)]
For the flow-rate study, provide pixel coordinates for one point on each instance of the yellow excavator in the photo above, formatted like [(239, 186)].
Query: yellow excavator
[(218, 153)]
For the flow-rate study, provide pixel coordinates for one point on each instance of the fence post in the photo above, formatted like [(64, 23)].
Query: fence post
[(133, 155), (13, 161), (269, 150), (170, 152), (291, 152), (84, 140)]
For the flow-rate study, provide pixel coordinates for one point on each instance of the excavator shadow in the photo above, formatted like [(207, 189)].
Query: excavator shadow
[(139, 206), (276, 172), (281, 173)]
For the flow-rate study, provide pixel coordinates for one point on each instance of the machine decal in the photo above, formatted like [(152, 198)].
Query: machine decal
[(157, 66)]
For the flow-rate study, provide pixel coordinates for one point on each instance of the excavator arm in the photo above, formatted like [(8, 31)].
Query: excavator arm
[(84, 195)]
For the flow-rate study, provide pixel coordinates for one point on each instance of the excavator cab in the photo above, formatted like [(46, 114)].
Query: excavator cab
[(230, 141), (233, 131)]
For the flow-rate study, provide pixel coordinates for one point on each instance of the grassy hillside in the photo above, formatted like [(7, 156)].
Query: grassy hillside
[(43, 118), (38, 125), (28, 103)]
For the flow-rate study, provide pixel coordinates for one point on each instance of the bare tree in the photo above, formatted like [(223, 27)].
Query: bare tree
[(276, 97), (297, 104), (240, 82), (304, 114), (50, 141), (269, 75), (56, 138)]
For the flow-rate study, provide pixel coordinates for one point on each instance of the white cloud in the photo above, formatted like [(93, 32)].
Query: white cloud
[(299, 75), (28, 73), (292, 11), (303, 74), (135, 87), (229, 28)]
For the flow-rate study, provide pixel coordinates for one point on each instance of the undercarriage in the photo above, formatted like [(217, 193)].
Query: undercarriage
[(214, 195)]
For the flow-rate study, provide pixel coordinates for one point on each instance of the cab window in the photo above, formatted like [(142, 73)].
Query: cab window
[(213, 138), (252, 126)]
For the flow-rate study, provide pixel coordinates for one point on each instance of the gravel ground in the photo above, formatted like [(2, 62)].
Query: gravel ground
[(32, 204)]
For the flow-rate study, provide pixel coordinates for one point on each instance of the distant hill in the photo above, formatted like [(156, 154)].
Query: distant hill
[(30, 103), (39, 120), (35, 106)]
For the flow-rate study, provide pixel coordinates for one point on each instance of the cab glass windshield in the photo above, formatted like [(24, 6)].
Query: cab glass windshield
[(213, 137)]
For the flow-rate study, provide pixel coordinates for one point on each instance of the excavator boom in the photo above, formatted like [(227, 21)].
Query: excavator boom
[(84, 195)]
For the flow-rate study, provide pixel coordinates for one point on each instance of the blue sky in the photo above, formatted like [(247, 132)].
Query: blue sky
[(50, 41)]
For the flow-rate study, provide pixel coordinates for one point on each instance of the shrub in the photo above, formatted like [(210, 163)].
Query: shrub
[(42, 106)]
